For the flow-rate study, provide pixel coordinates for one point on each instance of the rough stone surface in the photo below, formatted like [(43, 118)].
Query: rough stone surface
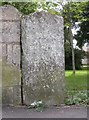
[(9, 13), (43, 58), (10, 54)]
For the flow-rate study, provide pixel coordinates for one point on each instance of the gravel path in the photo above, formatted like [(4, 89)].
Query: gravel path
[(60, 112)]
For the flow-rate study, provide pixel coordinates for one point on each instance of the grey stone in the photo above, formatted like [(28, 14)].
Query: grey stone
[(16, 55), (10, 31), (8, 12), (4, 51), (10, 53), (0, 51), (16, 95), (43, 58)]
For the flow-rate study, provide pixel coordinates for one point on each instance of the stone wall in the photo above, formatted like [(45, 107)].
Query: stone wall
[(43, 58), (10, 54)]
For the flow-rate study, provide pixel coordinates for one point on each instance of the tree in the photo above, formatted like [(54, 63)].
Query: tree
[(83, 34), (68, 15), (68, 57), (72, 12)]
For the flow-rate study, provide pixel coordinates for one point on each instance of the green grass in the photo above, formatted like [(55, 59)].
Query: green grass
[(77, 82)]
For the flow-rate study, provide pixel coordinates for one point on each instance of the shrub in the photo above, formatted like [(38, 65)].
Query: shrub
[(78, 98)]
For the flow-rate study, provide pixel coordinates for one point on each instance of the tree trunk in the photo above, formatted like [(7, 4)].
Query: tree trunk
[(71, 41)]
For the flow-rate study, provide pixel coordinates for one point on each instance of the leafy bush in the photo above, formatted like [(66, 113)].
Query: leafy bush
[(78, 98)]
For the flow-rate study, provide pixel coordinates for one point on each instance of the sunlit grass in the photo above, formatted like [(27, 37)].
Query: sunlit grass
[(77, 82)]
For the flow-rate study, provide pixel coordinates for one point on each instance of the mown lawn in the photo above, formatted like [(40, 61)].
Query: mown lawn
[(77, 82)]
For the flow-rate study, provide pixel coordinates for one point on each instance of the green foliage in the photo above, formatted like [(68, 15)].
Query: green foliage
[(76, 88), (68, 57), (78, 98), (79, 55), (77, 12), (33, 6), (73, 12), (24, 7), (83, 34)]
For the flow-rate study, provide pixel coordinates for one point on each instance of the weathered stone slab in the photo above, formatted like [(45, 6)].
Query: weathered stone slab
[(4, 50), (10, 31), (16, 55), (10, 95), (0, 83), (9, 13), (16, 95), (0, 50), (9, 53), (10, 43), (7, 95), (43, 58)]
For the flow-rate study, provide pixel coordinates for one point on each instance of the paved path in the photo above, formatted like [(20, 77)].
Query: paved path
[(61, 112)]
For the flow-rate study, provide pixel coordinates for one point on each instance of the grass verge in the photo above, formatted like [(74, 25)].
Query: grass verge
[(77, 82)]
